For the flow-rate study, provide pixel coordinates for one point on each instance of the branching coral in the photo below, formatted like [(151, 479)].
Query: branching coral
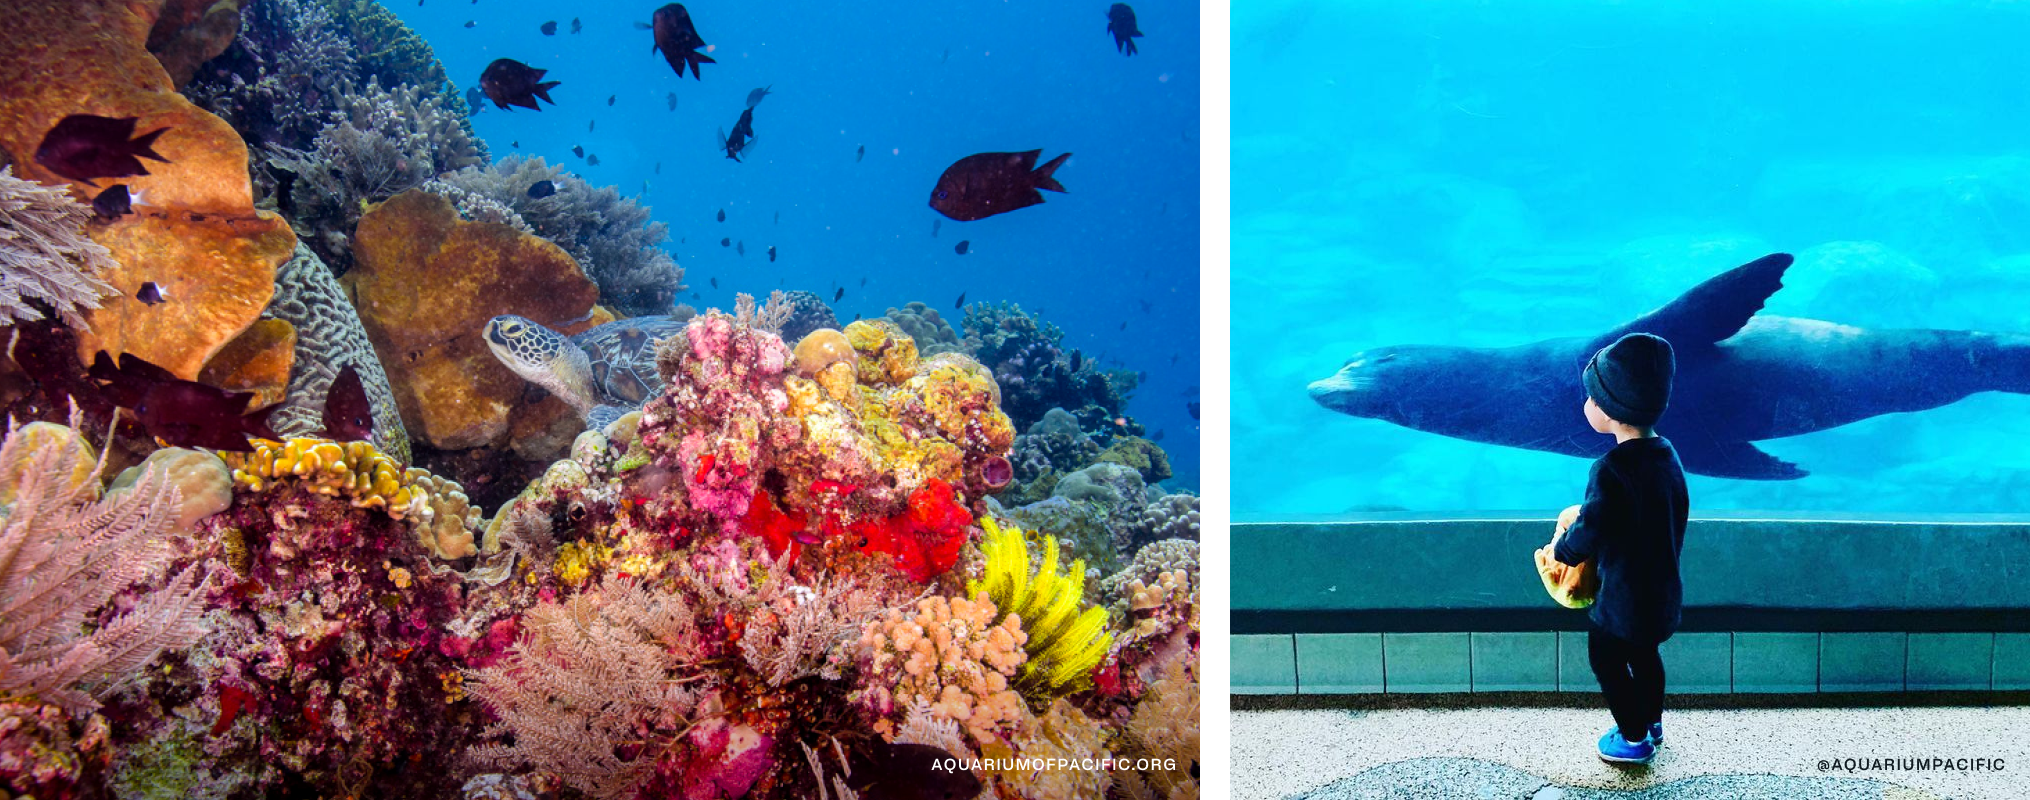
[(63, 557), (278, 82), (1064, 643), (1163, 735), (795, 632), (932, 334), (1173, 516), (45, 255), (437, 509), (950, 653), (596, 689)]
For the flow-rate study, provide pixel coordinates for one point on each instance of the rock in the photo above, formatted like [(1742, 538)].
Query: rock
[(1140, 454), (203, 484), (426, 282), (257, 361), (191, 32), (199, 238)]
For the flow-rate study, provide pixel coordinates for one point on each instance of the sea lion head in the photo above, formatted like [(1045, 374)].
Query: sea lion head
[(1388, 383)]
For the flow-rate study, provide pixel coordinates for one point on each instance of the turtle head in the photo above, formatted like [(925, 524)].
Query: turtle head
[(543, 357)]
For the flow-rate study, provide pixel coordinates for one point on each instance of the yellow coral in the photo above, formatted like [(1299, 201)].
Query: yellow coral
[(1065, 643), (435, 507), (576, 560), (887, 354)]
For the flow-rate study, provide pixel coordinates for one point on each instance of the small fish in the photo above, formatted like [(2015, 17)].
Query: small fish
[(1124, 325), (183, 413), (151, 294), (860, 155), (1157, 436), (516, 144), (1077, 360), (722, 215), (1192, 406), (839, 294), (678, 38), (696, 296), (856, 317), (946, 57), (475, 99), (771, 254), (550, 28), (934, 225), (1146, 305), (576, 26), (610, 98), (754, 97), (863, 283), (743, 134), (741, 248), (659, 168), (1121, 23), (964, 245), (542, 189), (591, 126), (982, 185), (1173, 358), (512, 83), (471, 24), (84, 148), (673, 101), (726, 242), (348, 414), (114, 203), (778, 218), (578, 150), (715, 281), (962, 301)]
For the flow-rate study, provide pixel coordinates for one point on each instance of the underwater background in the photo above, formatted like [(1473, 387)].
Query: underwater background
[(663, 437), (1490, 175)]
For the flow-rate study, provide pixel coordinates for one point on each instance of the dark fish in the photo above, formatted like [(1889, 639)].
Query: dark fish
[(1146, 305), (474, 98), (550, 28), (592, 125), (1124, 325), (964, 245), (517, 144), (982, 185), (1192, 406), (182, 413), (113, 203), (741, 248), (722, 215), (715, 281), (659, 168), (471, 24), (863, 283), (348, 414), (946, 57), (542, 189), (696, 296), (611, 97), (151, 294), (677, 38), (576, 26), (962, 301), (908, 772), (860, 155), (726, 242), (1157, 436), (778, 218), (771, 254), (1121, 23), (512, 83), (856, 317), (743, 133), (578, 150), (1173, 358), (83, 148), (754, 97), (673, 101), (592, 160), (1077, 360), (839, 294)]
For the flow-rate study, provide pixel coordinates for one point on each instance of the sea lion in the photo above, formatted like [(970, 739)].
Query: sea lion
[(1741, 378)]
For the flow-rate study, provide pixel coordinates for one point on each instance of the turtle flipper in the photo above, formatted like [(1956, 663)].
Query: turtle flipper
[(602, 416)]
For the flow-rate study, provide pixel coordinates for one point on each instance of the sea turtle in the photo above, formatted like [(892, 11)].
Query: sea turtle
[(604, 372)]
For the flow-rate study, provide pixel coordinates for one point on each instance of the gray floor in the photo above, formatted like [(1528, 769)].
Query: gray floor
[(1548, 753)]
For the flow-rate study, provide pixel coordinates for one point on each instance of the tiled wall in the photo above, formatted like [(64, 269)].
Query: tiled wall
[(1697, 663)]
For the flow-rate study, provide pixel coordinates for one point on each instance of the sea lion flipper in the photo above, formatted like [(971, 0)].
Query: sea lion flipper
[(1713, 310), (1734, 460)]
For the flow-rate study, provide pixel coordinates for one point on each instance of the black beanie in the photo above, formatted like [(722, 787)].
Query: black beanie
[(1631, 379)]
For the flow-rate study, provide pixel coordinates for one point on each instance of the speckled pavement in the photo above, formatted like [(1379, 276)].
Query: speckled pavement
[(1547, 753)]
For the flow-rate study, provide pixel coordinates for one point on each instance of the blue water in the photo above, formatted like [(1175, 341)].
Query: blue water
[(1496, 174), (921, 85)]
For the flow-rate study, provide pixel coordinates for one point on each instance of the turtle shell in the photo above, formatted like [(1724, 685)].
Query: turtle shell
[(623, 357)]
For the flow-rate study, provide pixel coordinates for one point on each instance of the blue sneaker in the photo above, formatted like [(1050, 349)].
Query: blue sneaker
[(1656, 733), (1615, 749)]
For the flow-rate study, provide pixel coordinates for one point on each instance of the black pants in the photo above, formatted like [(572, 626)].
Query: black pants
[(1631, 676)]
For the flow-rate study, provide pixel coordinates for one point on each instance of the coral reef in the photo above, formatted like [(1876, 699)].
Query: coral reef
[(1140, 454), (952, 654), (329, 338), (1155, 600), (1064, 643), (1064, 732), (257, 361), (45, 255), (1049, 449), (427, 282), (611, 237), (200, 238), (444, 522), (932, 334), (1035, 375), (188, 33), (1173, 516), (810, 314), (64, 556), (279, 80), (45, 753)]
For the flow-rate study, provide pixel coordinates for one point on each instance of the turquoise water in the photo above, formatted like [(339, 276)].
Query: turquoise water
[(1496, 175)]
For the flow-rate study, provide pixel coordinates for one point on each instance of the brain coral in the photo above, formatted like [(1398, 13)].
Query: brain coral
[(329, 337)]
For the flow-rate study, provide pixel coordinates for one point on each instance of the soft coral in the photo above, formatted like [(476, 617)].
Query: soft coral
[(926, 539)]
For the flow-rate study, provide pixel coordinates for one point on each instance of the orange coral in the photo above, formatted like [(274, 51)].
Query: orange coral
[(949, 653)]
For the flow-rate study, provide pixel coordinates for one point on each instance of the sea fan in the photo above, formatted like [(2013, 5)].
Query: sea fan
[(45, 255), (1065, 643)]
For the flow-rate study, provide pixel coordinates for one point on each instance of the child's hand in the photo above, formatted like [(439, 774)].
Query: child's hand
[(1565, 520)]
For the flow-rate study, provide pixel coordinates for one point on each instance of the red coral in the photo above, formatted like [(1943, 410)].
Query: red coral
[(925, 540), (231, 698), (776, 528)]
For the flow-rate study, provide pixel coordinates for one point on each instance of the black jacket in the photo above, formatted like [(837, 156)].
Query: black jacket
[(1633, 527)]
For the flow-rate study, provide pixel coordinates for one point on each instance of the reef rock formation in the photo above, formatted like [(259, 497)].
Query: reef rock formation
[(191, 32), (426, 282), (329, 337), (258, 361), (200, 238)]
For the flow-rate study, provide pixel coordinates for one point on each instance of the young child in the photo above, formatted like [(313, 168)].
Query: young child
[(1633, 527)]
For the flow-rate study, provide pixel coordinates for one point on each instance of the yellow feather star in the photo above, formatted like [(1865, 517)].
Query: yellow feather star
[(1065, 642)]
